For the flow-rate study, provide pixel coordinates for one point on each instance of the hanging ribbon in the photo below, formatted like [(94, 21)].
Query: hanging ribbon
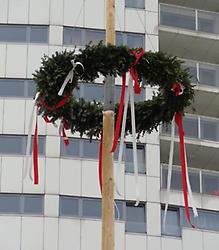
[(27, 164), (64, 125), (170, 167), (57, 106), (130, 93), (100, 161), (35, 151), (70, 76), (178, 89)]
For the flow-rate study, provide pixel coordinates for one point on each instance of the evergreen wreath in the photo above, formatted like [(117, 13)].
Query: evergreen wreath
[(154, 69)]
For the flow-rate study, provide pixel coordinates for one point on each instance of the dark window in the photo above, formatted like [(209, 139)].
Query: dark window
[(12, 144), (129, 166), (17, 88), (209, 129), (38, 34), (140, 4), (210, 183), (73, 149), (135, 218), (91, 208), (33, 204), (24, 33), (68, 206), (10, 204), (172, 224), (91, 149)]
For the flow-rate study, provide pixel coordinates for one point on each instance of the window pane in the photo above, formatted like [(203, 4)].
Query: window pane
[(92, 208), (10, 204), (135, 40), (119, 214), (69, 206), (192, 67), (91, 149), (129, 166), (135, 4), (13, 33), (33, 204), (209, 129), (72, 149), (93, 92), (172, 224), (94, 36), (137, 97), (190, 126), (135, 219), (210, 183), (31, 88), (177, 17), (120, 38), (11, 145), (38, 34), (11, 88), (208, 22), (72, 36)]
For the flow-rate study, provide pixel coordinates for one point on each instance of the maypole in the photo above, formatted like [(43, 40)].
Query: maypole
[(108, 136)]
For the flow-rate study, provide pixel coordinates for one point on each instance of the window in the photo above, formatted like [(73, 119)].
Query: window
[(68, 206), (177, 17), (82, 36), (207, 220), (16, 144), (91, 208), (129, 167), (24, 33), (21, 204), (135, 218), (176, 180), (140, 4), (210, 182), (72, 150), (172, 224), (209, 129), (133, 40)]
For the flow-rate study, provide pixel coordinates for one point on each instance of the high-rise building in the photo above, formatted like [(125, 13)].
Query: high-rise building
[(64, 211)]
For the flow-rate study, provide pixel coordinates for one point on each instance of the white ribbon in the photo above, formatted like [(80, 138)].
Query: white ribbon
[(170, 168), (27, 164), (129, 93), (69, 77), (195, 212)]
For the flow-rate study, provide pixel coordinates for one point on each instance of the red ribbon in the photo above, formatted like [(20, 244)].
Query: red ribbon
[(133, 70), (65, 138), (137, 89), (35, 152), (178, 120), (100, 161), (57, 106), (178, 90), (119, 118)]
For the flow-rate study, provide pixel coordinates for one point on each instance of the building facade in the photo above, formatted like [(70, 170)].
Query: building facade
[(64, 211)]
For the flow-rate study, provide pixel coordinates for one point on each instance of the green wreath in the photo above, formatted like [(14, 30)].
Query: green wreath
[(153, 68)]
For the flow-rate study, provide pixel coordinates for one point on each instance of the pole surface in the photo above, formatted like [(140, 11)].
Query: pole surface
[(108, 216)]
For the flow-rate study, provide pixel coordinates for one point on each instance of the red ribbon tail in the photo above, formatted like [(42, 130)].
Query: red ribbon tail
[(120, 112), (65, 138), (100, 161), (46, 119), (35, 152), (178, 120)]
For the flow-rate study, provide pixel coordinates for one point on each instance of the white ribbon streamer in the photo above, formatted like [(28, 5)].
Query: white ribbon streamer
[(195, 212), (170, 168), (69, 77), (129, 93), (27, 164)]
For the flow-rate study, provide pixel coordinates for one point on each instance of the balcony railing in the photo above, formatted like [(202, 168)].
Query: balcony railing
[(202, 181), (190, 19), (198, 127), (203, 73)]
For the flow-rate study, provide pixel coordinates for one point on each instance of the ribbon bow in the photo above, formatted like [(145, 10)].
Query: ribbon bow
[(70, 76)]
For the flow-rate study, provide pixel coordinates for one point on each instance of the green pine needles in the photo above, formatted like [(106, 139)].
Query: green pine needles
[(154, 69)]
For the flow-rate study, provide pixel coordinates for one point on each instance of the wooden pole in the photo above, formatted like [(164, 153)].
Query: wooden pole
[(108, 216)]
